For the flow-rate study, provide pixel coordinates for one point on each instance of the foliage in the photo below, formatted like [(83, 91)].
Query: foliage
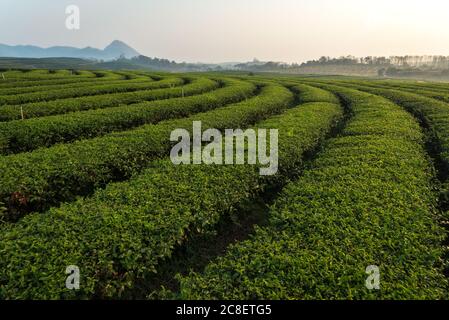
[(358, 184), (120, 234), (33, 181), (366, 200)]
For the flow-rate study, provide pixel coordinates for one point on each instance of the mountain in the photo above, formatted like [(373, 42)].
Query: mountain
[(113, 51), (118, 48)]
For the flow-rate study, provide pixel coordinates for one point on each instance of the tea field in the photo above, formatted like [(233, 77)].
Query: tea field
[(86, 180)]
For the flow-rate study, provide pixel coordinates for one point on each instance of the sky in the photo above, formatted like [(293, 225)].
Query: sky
[(236, 30)]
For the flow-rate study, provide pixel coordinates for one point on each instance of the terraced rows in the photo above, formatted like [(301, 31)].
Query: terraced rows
[(366, 200), (22, 136), (75, 78), (96, 101), (45, 75), (80, 166), (434, 115), (38, 87), (170, 192), (86, 181), (50, 95), (431, 91)]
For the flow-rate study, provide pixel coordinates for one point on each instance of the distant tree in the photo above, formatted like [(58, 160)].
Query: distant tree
[(323, 60), (381, 72), (391, 71)]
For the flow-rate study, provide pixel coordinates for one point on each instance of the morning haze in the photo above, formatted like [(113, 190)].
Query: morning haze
[(236, 30)]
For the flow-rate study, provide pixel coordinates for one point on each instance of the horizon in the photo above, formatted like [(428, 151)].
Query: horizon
[(227, 62), (291, 31)]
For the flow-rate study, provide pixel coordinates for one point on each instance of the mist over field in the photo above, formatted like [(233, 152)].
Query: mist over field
[(234, 30)]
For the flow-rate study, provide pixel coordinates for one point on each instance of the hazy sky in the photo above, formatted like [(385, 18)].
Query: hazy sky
[(236, 30)]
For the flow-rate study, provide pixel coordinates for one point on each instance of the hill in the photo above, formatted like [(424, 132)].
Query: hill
[(113, 51)]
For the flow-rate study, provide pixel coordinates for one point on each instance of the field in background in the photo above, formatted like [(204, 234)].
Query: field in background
[(86, 181)]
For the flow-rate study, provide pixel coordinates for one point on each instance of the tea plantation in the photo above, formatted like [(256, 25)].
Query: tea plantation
[(86, 180)]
